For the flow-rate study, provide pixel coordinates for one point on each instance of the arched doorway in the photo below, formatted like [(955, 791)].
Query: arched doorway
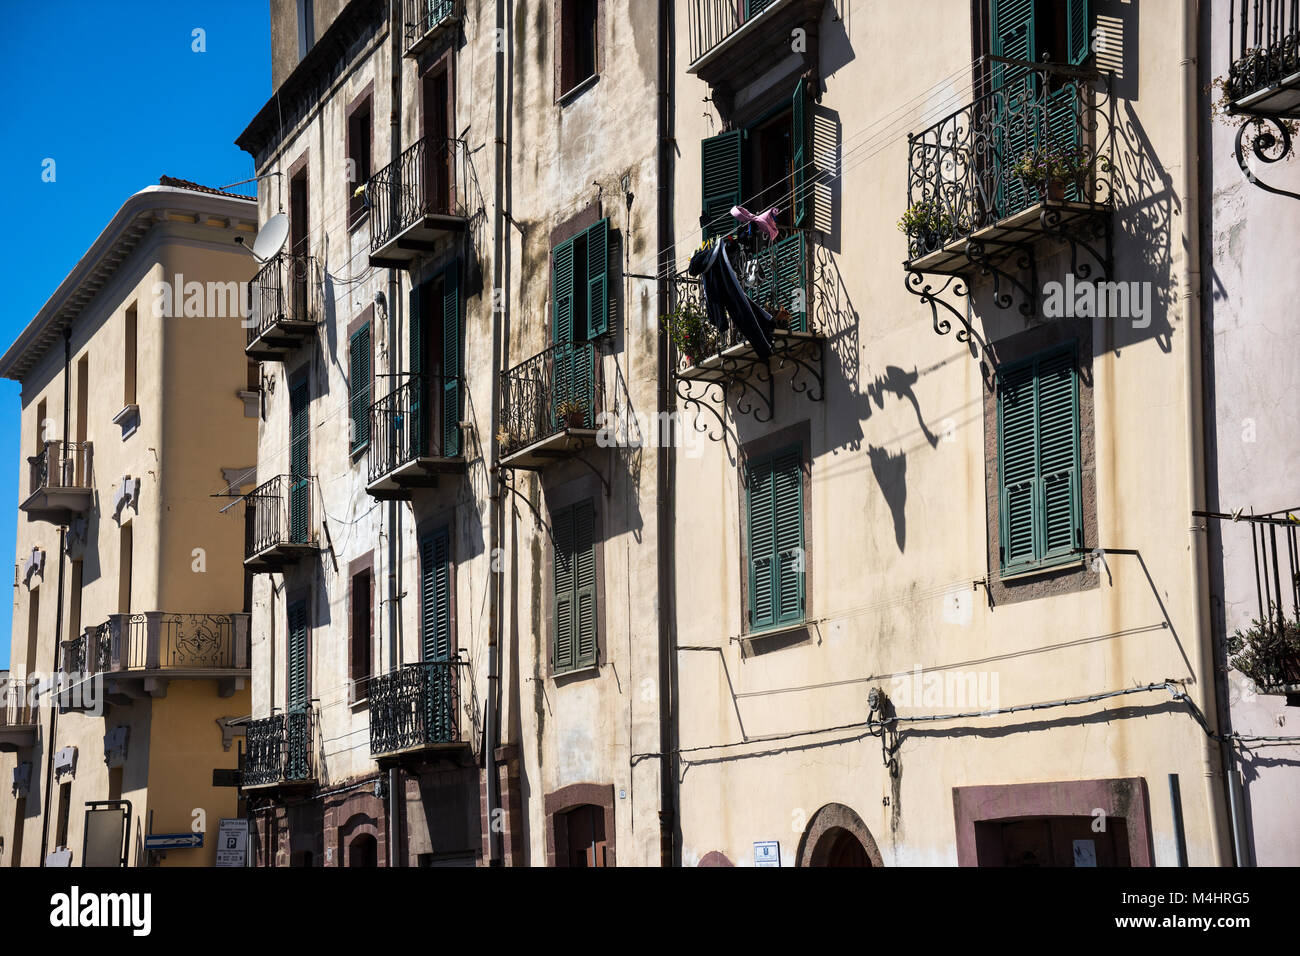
[(836, 836), (363, 851)]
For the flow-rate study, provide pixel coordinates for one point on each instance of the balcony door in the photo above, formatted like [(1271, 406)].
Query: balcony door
[(295, 271), (435, 365), (299, 462), (439, 128), (435, 630)]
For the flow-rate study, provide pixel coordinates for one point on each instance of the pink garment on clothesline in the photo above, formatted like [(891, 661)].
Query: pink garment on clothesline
[(766, 222)]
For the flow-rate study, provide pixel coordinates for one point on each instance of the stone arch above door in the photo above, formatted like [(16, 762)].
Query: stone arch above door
[(823, 841)]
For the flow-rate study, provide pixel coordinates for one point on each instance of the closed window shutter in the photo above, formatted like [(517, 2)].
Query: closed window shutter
[(598, 279), (415, 366), (562, 292), (1058, 453), (584, 547), (754, 7), (435, 596), (787, 505), (359, 386), (1078, 18), (451, 366), (800, 139), (1014, 37), (299, 462), (722, 181), (1040, 504), (1017, 466), (297, 663), (762, 546), (564, 575)]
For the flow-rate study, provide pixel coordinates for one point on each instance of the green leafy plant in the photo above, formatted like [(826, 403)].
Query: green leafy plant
[(1057, 165), (690, 331), (931, 219), (571, 408), (1268, 651)]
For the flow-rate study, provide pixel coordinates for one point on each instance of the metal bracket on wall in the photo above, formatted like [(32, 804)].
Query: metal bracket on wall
[(1268, 147)]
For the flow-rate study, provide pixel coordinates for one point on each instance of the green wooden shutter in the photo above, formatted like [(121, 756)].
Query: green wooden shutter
[(1017, 466), (435, 596), (800, 140), (762, 546), (451, 363), (359, 386), (299, 462), (598, 279), (1014, 37), (564, 576), (754, 7), (299, 692), (416, 370), (787, 512), (562, 292), (722, 181), (584, 584), (1061, 523), (1078, 18)]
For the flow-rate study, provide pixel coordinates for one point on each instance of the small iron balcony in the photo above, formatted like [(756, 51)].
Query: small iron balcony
[(426, 21), (287, 306), (18, 717), (733, 41), (279, 530), (1027, 159), (279, 752), (416, 201), (61, 482), (551, 405), (413, 711), (138, 654), (1264, 72), (414, 431)]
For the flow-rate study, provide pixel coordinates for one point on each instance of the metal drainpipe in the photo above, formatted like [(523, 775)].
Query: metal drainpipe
[(1189, 198), (668, 852), (58, 610), (495, 619), (394, 515)]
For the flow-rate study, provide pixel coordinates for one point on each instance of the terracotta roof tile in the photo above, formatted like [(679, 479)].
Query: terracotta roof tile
[(186, 184)]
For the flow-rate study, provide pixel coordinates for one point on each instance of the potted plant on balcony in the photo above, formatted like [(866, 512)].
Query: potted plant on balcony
[(1268, 652), (1051, 170), (930, 224), (573, 412), (690, 332)]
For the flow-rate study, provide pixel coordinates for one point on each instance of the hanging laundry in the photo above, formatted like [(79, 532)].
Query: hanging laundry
[(724, 299), (766, 221)]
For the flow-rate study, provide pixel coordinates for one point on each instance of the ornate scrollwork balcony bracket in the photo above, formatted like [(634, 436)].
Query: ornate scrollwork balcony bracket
[(1270, 144)]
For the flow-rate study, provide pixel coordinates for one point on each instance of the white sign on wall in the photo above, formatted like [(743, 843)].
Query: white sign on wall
[(767, 853), (232, 841)]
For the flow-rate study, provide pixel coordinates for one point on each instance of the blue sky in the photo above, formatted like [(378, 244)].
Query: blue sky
[(117, 96)]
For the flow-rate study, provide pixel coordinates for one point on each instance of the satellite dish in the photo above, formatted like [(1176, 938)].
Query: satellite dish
[(271, 237)]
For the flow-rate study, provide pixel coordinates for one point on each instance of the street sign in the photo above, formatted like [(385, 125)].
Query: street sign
[(767, 853), (173, 841), (232, 841)]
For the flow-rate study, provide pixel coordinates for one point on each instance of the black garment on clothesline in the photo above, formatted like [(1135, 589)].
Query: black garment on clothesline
[(724, 299)]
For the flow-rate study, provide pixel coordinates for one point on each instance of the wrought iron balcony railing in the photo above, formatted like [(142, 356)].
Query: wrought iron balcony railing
[(414, 707), (411, 422), (777, 277), (61, 465), (1033, 140), (279, 515), (287, 291), (427, 182), (19, 709), (553, 391), (279, 750), (160, 641), (1265, 53), (710, 22), (423, 18)]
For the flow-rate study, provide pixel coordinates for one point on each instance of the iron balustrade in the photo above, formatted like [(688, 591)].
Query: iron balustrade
[(422, 16), (428, 179), (19, 709), (409, 423), (161, 640), (414, 706), (961, 172), (280, 513), (1264, 46), (776, 276), (61, 464), (278, 750), (709, 22), (288, 288), (554, 390)]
